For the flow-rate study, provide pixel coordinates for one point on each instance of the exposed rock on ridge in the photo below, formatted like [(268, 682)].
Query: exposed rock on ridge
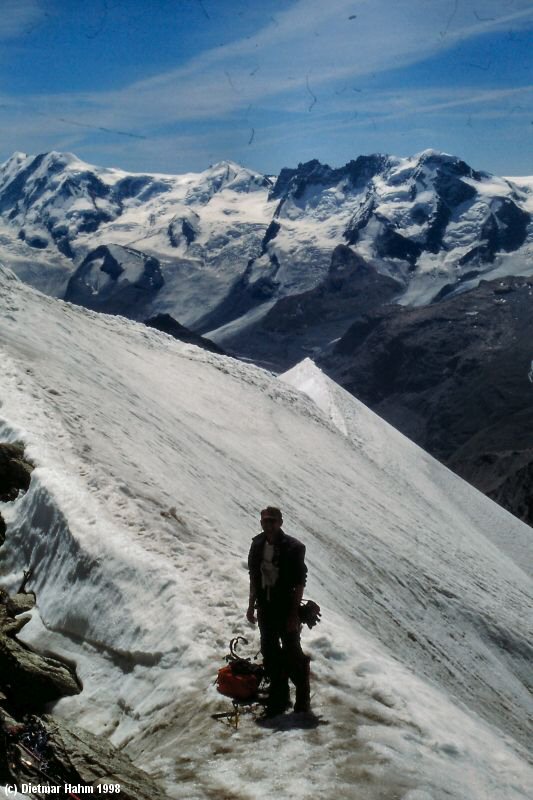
[(167, 324), (15, 471)]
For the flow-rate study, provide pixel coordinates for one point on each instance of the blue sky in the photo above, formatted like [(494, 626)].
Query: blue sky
[(174, 85)]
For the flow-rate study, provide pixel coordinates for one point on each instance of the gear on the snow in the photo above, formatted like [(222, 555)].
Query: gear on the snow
[(30, 756), (309, 613), (240, 679)]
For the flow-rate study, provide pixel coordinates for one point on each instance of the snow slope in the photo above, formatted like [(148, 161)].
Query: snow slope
[(153, 459)]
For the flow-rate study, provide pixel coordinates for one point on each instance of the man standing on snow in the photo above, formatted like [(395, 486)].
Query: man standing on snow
[(277, 578)]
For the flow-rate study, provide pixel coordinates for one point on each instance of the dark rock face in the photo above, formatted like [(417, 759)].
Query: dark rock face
[(68, 755), (390, 244), (270, 233), (184, 229), (143, 187), (298, 325), (34, 240), (506, 228), (15, 472), (94, 759), (453, 376), (167, 324), (294, 181), (188, 231), (30, 680), (116, 280)]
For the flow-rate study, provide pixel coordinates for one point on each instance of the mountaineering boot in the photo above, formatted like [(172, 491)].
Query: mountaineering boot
[(279, 698)]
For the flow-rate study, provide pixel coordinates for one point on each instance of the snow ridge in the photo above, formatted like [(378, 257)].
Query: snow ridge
[(150, 469)]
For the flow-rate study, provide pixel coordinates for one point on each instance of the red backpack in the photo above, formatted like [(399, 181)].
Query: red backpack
[(240, 678)]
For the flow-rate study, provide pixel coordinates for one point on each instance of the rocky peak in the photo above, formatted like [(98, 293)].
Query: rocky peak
[(359, 171)]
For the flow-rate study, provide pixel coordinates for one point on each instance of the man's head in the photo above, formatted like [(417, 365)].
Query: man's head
[(271, 521)]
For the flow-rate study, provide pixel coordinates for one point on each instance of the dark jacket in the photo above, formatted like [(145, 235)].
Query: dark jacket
[(289, 556)]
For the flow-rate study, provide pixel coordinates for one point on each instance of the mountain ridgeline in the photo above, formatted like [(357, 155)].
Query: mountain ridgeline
[(407, 279)]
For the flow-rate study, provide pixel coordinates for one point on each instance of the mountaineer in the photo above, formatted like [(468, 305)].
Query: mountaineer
[(276, 563)]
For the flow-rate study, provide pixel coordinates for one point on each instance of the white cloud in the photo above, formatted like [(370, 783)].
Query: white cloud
[(311, 49), (312, 44), (18, 17)]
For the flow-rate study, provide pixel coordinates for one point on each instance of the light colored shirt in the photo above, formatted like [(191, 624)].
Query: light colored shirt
[(269, 571)]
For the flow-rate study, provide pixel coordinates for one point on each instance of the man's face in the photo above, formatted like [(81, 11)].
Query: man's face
[(271, 526)]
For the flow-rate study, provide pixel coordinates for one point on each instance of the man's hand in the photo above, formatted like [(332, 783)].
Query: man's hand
[(293, 622), (250, 615)]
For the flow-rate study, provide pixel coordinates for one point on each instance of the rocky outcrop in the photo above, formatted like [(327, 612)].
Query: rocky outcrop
[(453, 376), (167, 324), (184, 228), (116, 280), (15, 474), (27, 679), (311, 173), (45, 751)]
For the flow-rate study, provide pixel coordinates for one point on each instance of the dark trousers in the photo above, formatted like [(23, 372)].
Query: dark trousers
[(283, 658)]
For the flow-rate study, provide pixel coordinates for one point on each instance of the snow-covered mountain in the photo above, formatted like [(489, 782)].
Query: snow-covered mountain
[(422, 217), (229, 242), (151, 466), (58, 212)]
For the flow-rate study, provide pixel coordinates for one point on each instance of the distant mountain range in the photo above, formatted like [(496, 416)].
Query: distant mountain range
[(398, 275), (222, 246)]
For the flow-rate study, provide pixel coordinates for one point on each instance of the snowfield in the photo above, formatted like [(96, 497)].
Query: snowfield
[(153, 459)]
